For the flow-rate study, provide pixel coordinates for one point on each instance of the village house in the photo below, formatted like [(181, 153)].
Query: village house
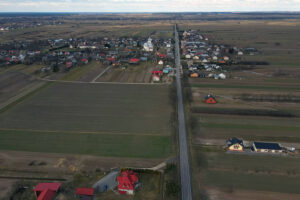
[(209, 99), (235, 144), (127, 182), (267, 147)]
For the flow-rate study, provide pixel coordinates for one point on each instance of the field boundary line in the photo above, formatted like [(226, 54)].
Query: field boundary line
[(85, 132)]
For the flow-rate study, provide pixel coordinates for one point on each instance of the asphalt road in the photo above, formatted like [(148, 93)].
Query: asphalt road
[(185, 176)]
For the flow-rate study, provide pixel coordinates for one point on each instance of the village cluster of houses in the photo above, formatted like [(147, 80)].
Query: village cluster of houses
[(127, 183), (33, 24), (238, 145), (205, 59), (64, 54)]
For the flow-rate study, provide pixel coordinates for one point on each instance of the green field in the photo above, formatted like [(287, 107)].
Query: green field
[(213, 126), (250, 172), (98, 119), (233, 180), (114, 145)]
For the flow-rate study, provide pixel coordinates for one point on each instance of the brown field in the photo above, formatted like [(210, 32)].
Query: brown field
[(92, 28), (141, 73)]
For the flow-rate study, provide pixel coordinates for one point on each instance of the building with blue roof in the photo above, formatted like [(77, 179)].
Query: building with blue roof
[(267, 147)]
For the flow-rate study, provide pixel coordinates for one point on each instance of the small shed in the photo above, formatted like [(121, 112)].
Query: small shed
[(46, 191), (209, 99), (85, 193)]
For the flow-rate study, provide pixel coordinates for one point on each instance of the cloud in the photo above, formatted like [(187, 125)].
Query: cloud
[(147, 5)]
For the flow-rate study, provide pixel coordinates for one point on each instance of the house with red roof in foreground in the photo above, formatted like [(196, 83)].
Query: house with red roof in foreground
[(85, 193), (127, 182), (209, 99), (46, 191)]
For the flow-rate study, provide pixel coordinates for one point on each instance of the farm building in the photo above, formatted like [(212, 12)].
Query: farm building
[(209, 99), (127, 182), (85, 193), (235, 144), (265, 147), (46, 191)]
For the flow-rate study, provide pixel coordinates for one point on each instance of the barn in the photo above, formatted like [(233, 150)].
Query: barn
[(209, 99)]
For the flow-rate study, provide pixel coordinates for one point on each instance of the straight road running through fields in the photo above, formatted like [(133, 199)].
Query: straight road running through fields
[(185, 176)]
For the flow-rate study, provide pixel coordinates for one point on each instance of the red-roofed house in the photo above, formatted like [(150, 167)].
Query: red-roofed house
[(69, 65), (134, 60), (209, 99), (46, 191), (85, 193), (127, 182), (110, 59), (162, 55), (157, 72), (85, 61)]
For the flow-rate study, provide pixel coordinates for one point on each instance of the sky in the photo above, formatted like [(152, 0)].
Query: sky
[(147, 5)]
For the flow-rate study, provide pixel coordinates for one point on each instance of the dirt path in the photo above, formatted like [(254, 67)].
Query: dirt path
[(103, 72)]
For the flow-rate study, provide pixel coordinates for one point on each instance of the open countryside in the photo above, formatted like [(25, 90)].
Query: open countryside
[(149, 106)]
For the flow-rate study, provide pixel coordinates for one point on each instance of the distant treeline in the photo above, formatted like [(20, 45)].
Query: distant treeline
[(242, 111)]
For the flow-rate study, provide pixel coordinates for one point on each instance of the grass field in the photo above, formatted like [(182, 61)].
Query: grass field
[(97, 119)]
